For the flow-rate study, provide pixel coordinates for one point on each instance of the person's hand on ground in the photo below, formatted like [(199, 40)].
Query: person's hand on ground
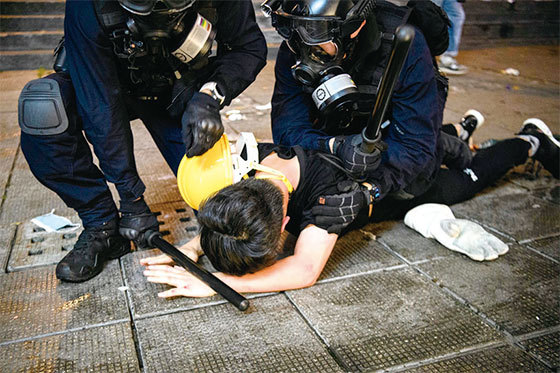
[(184, 284), (191, 249)]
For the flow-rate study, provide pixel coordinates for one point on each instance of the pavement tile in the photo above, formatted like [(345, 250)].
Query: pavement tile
[(142, 138), (9, 124), (519, 215), (102, 349), (549, 246), (34, 247), (521, 290), (389, 318), (178, 225), (34, 302), (6, 236), (550, 194), (9, 102), (247, 115), (8, 150), (504, 359), (269, 337), (409, 243), (522, 177), (357, 252), (546, 347), (149, 161), (19, 207), (143, 294), (161, 188)]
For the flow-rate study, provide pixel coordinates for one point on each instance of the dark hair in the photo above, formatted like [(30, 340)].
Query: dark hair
[(240, 226)]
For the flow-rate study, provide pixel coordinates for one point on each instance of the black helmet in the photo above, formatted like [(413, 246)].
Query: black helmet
[(146, 7), (317, 21)]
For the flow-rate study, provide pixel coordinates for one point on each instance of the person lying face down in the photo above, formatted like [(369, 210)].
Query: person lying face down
[(240, 225), (310, 195)]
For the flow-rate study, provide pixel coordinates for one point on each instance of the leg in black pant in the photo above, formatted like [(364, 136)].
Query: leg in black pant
[(454, 185)]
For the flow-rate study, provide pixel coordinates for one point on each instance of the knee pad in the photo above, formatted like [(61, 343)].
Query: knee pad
[(41, 109)]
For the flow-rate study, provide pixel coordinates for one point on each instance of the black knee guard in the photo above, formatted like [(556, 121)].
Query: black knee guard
[(41, 109)]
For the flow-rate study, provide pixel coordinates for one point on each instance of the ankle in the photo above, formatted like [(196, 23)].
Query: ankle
[(533, 141)]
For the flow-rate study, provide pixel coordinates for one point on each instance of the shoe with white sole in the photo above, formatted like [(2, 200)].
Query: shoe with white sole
[(548, 151)]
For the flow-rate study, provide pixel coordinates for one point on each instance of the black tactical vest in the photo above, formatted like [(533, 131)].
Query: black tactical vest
[(147, 69), (372, 56)]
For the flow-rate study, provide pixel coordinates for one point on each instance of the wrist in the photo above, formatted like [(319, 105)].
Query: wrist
[(212, 90), (331, 145), (372, 195), (335, 143)]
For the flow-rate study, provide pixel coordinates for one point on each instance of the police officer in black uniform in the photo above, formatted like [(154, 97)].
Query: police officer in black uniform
[(119, 61), (328, 71)]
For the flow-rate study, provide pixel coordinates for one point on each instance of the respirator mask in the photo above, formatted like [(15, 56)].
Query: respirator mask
[(171, 25), (307, 26)]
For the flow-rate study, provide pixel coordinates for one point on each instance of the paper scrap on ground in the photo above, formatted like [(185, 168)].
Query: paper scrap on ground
[(264, 107), (234, 115), (510, 71), (54, 223)]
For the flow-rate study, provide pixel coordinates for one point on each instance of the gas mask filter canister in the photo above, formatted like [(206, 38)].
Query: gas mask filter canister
[(335, 92), (198, 42)]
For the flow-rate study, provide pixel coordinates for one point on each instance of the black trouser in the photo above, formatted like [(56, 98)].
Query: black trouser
[(456, 185), (63, 162)]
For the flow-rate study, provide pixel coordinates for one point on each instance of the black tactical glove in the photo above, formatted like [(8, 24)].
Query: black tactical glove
[(136, 221), (202, 125), (358, 163), (336, 212)]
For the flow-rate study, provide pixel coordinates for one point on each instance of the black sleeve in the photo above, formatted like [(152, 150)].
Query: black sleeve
[(241, 48)]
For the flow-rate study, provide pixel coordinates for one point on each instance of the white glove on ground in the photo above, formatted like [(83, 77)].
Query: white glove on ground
[(437, 221)]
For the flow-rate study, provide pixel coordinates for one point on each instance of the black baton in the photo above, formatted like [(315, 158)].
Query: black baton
[(401, 45), (238, 300)]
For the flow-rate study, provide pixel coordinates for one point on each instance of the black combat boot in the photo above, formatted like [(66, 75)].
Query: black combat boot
[(94, 247)]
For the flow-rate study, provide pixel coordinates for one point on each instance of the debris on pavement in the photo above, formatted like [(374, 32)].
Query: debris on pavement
[(54, 223)]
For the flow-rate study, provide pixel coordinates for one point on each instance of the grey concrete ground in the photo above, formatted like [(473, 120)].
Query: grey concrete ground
[(389, 299)]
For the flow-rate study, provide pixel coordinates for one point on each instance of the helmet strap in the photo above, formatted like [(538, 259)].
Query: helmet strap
[(242, 167), (273, 174)]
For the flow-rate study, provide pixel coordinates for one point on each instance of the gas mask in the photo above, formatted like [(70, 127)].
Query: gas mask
[(333, 91), (171, 26), (308, 24)]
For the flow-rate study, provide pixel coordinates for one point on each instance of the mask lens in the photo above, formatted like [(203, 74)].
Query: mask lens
[(140, 7), (314, 32), (178, 5), (283, 25), (311, 31)]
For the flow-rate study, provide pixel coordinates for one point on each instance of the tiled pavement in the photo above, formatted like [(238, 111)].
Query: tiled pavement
[(388, 299)]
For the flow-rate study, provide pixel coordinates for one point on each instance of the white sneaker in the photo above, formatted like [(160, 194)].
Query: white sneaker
[(449, 65)]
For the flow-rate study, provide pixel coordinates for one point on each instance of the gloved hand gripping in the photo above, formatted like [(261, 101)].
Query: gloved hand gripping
[(137, 222), (202, 125)]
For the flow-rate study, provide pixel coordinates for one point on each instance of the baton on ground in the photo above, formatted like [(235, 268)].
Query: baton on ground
[(238, 300), (401, 45)]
